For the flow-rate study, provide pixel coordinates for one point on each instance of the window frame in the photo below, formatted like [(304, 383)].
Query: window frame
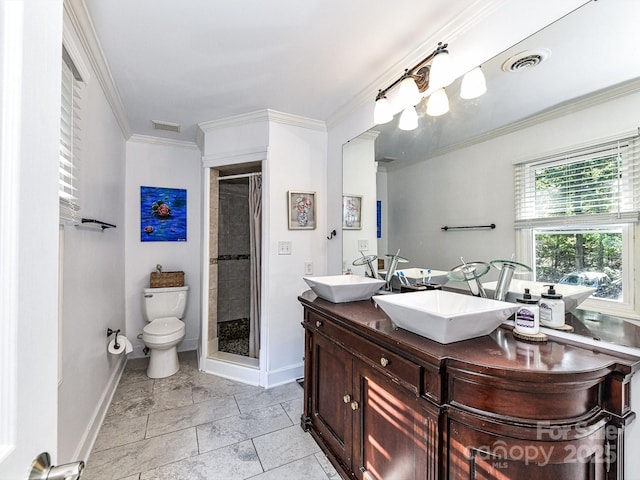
[(527, 225), (525, 251)]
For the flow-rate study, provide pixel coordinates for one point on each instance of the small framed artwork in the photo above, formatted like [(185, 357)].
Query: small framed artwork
[(163, 214), (302, 210), (352, 212)]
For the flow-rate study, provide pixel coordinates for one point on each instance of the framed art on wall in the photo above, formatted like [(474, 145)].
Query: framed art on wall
[(301, 210), (163, 214), (352, 212)]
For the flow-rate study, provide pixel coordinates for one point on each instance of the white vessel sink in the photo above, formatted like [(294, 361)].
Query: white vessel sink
[(416, 275), (344, 288), (445, 317), (571, 294)]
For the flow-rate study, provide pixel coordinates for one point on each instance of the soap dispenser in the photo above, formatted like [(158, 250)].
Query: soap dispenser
[(551, 308), (527, 316)]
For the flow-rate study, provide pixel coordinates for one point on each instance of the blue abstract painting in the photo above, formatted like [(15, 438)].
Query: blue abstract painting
[(163, 214)]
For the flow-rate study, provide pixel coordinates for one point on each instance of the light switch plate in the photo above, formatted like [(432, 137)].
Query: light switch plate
[(284, 248), (308, 268), (363, 245)]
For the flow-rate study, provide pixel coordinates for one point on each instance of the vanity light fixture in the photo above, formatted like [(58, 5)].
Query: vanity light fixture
[(433, 71)]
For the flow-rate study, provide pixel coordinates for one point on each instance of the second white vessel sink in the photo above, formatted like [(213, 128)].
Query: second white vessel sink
[(344, 288), (572, 295), (445, 317)]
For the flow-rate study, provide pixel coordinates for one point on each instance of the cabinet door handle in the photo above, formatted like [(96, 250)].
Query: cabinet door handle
[(318, 323), (346, 398), (384, 361), (354, 405)]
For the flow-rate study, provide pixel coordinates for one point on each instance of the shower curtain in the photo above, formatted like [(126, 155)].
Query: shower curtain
[(255, 245)]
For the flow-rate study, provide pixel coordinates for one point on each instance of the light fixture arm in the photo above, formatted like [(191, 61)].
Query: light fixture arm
[(419, 72)]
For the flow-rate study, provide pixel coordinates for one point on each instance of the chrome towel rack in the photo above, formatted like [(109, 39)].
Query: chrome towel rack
[(100, 223), (470, 227)]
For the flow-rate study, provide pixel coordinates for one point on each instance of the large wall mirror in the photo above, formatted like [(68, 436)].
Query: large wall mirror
[(457, 169)]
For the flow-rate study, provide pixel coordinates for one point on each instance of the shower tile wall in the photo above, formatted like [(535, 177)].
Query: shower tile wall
[(233, 251)]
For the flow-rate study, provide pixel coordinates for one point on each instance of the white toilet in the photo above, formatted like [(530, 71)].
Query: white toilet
[(163, 309)]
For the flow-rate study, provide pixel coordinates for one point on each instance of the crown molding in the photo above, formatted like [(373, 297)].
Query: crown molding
[(257, 154), (263, 116), (166, 142), (76, 11)]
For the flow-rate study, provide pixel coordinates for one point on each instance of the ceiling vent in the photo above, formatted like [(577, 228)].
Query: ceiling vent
[(168, 126), (386, 159), (526, 59)]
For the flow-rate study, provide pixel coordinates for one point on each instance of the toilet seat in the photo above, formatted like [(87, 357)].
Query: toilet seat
[(163, 330)]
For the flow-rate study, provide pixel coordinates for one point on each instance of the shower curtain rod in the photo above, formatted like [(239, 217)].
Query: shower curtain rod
[(240, 175)]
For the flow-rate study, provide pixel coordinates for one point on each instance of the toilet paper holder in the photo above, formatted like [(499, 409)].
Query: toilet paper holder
[(110, 332)]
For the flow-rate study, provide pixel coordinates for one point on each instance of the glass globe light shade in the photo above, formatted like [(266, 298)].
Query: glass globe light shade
[(438, 103), (473, 84), (408, 119), (408, 94), (382, 112), (440, 73)]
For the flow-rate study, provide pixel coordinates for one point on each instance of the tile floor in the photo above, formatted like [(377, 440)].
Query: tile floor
[(193, 426)]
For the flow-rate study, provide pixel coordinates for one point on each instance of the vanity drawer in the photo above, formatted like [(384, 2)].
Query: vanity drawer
[(405, 372)]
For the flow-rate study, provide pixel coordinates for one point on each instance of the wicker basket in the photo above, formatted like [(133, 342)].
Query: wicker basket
[(166, 279)]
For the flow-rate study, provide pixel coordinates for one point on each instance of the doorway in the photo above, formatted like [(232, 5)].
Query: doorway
[(234, 263)]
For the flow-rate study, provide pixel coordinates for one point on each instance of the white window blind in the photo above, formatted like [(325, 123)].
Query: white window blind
[(595, 185), (69, 140)]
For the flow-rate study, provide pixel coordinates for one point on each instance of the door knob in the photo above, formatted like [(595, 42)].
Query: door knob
[(346, 398), (384, 361), (41, 469), (318, 323), (354, 406)]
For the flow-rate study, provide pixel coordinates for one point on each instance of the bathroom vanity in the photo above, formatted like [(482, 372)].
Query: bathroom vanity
[(385, 403)]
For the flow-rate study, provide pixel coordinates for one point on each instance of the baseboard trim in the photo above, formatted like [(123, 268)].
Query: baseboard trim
[(284, 375), (91, 432)]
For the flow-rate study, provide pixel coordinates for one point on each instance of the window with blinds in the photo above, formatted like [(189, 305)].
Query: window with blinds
[(69, 140), (596, 185)]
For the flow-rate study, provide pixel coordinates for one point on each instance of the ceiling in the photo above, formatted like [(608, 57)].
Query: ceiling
[(192, 61)]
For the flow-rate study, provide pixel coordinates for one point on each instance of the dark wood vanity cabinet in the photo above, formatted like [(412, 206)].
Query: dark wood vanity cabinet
[(362, 415), (384, 403)]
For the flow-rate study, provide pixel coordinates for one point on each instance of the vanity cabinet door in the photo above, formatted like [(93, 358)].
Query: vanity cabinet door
[(331, 396), (480, 455), (395, 433)]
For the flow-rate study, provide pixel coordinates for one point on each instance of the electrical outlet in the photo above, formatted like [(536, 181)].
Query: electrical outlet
[(363, 245), (308, 268), (284, 248)]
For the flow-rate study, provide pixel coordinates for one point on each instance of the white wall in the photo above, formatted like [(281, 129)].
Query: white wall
[(293, 152), (93, 276), (155, 163), (296, 162)]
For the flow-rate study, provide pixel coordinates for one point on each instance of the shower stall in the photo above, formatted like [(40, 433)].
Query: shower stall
[(234, 265)]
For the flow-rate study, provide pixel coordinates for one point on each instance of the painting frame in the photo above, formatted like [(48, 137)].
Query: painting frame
[(352, 212), (163, 214), (301, 210)]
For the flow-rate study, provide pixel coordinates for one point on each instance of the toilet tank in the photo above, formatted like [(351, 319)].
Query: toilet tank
[(165, 302)]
